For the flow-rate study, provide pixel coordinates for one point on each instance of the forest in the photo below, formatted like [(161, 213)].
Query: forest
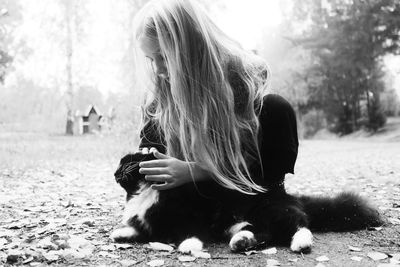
[(336, 61)]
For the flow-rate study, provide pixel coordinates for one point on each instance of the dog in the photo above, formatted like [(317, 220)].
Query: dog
[(206, 211)]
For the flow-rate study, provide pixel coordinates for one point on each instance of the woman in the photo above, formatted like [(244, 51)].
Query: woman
[(208, 116)]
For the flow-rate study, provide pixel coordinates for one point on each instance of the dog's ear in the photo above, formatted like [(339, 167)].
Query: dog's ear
[(127, 158), (128, 168), (136, 157), (124, 160)]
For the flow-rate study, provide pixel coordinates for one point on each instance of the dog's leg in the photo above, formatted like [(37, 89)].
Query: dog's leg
[(282, 221), (190, 244), (289, 225), (241, 236), (124, 234), (302, 240)]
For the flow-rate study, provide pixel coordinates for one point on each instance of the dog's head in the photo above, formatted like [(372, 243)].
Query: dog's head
[(127, 173)]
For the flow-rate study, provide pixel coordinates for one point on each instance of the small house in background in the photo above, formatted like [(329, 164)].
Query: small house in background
[(89, 121)]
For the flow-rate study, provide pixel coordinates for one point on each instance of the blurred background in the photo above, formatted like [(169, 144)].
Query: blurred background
[(66, 65)]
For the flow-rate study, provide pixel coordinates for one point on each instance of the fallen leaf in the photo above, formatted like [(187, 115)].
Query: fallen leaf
[(293, 260), (28, 260), (72, 253), (376, 256), (320, 265), (107, 255), (81, 245), (269, 251), (123, 246), (395, 256), (47, 244), (108, 247), (61, 236), (51, 256), (387, 265), (3, 241), (250, 252), (322, 258), (394, 221), (155, 263), (375, 228), (200, 254), (272, 262), (186, 258), (15, 225), (7, 233), (355, 258), (62, 244), (89, 223), (127, 262), (354, 248), (394, 261), (160, 246)]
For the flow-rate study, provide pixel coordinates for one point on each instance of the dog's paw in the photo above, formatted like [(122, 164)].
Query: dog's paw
[(125, 234), (190, 244), (242, 240), (302, 241)]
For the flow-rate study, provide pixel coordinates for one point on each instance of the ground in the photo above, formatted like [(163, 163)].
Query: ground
[(59, 203)]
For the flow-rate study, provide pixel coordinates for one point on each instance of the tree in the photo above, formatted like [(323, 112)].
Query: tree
[(9, 18), (348, 40), (69, 53)]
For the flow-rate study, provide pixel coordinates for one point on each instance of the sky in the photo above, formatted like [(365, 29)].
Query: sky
[(393, 66), (246, 21)]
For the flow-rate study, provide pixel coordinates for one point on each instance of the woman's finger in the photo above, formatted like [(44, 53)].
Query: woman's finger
[(160, 155), (145, 150), (154, 163), (162, 186), (151, 171), (158, 178), (153, 149)]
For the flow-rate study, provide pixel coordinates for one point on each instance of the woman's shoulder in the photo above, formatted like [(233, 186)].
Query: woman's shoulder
[(275, 100), (276, 106)]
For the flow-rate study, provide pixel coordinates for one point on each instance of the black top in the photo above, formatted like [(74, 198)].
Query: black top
[(278, 141)]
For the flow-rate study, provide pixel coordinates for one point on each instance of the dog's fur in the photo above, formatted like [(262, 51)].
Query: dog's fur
[(210, 212)]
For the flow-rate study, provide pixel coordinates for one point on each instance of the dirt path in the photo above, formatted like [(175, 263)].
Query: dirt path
[(59, 202)]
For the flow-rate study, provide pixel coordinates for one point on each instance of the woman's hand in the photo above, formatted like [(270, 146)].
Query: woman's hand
[(168, 172)]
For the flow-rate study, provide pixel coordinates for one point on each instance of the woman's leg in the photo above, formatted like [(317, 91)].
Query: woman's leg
[(278, 141)]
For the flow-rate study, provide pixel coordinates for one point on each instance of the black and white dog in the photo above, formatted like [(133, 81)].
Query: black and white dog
[(208, 211)]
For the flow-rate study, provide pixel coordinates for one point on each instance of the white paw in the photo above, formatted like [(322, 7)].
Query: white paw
[(234, 229), (302, 240), (190, 244), (123, 234), (242, 240)]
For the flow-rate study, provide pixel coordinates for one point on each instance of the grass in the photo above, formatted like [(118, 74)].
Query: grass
[(47, 178)]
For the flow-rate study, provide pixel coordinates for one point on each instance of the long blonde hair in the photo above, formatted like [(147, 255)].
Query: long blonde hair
[(195, 107)]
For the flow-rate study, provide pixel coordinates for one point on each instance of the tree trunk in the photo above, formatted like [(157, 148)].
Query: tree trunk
[(70, 92)]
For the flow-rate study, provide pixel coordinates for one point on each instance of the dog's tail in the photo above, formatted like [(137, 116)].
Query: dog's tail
[(345, 212)]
